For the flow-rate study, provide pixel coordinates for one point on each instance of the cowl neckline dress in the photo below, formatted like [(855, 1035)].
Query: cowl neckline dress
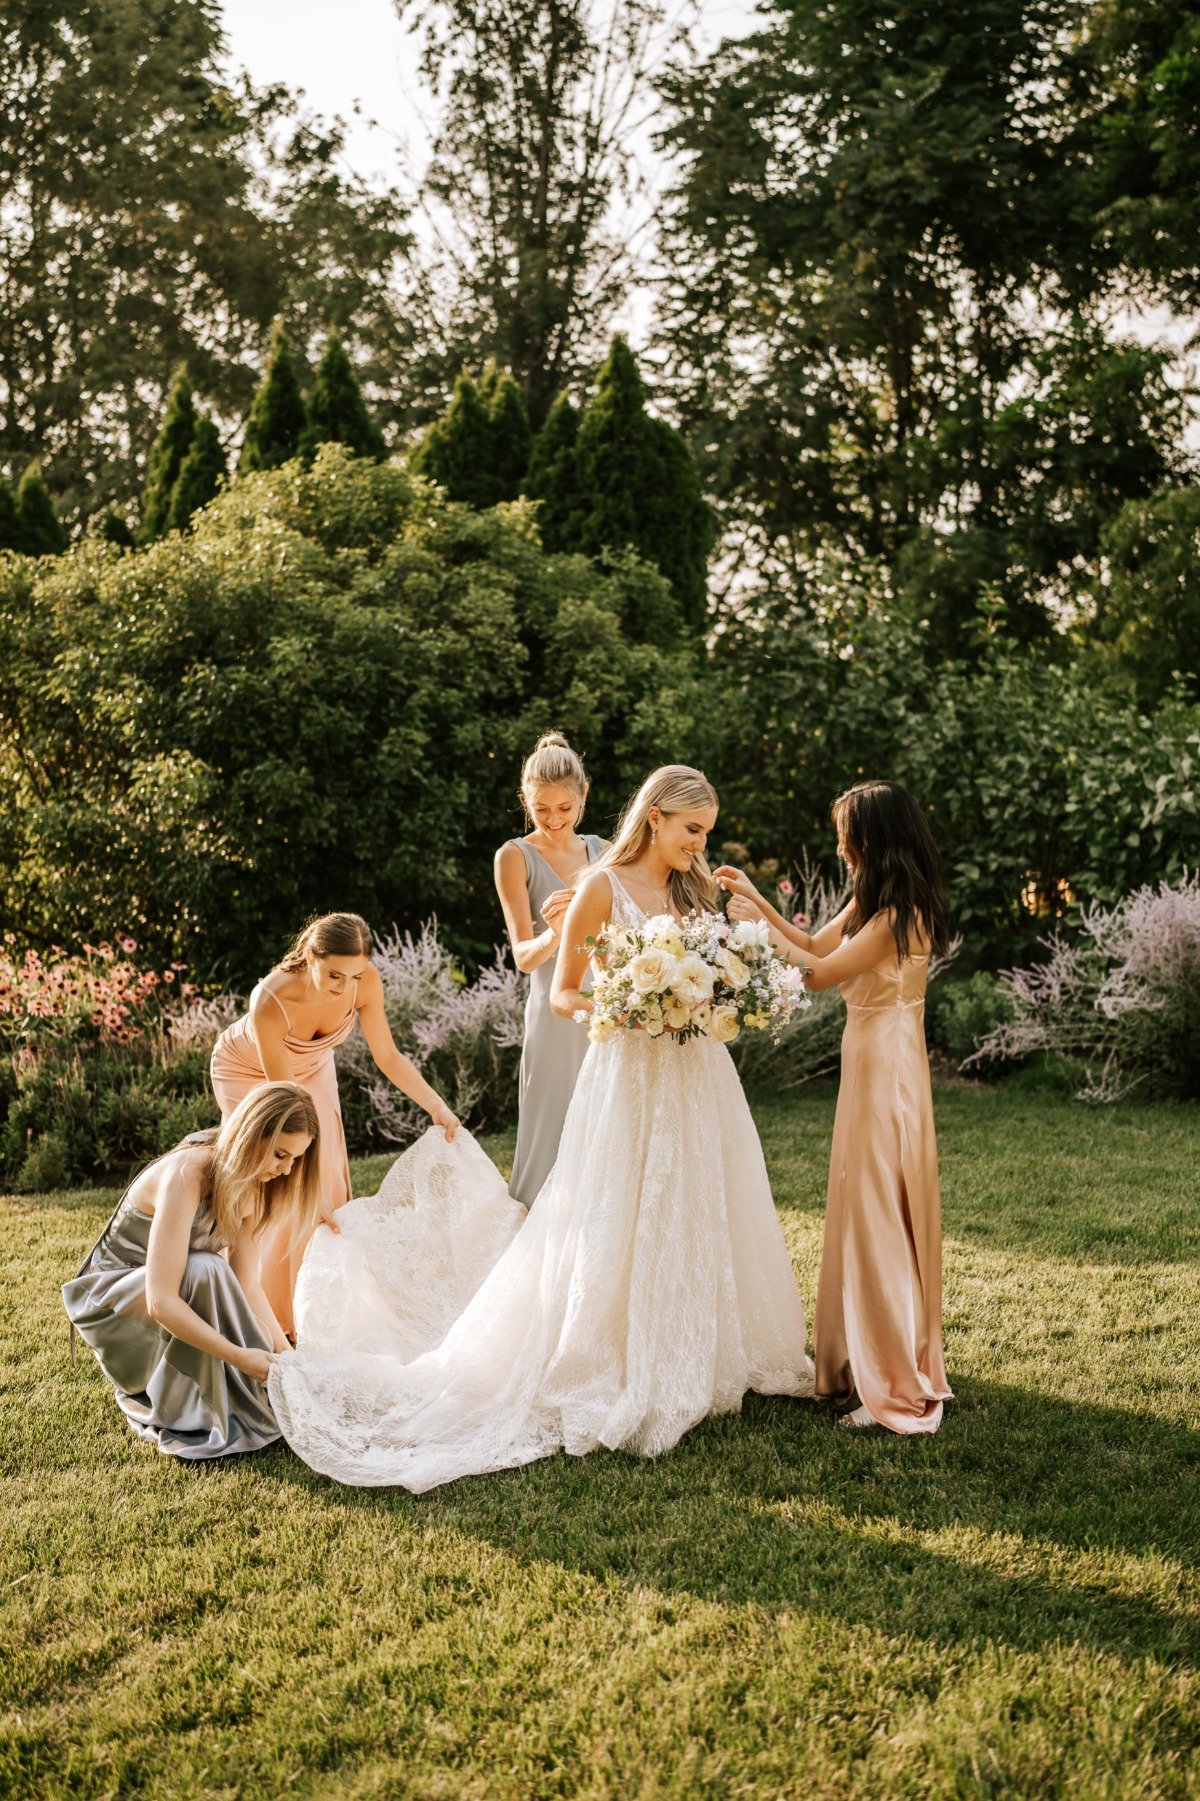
[(877, 1327), (189, 1404)]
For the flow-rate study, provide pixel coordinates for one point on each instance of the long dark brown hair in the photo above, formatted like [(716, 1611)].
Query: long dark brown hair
[(897, 867)]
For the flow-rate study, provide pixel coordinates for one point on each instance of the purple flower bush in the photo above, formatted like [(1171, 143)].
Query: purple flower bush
[(1122, 1000), (465, 1037)]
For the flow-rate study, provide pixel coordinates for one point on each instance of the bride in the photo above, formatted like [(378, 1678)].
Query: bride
[(649, 1287)]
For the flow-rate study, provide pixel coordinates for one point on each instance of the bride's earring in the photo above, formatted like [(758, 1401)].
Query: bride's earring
[(654, 834)]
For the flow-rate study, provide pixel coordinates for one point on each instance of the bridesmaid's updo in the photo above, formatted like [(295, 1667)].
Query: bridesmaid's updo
[(332, 935), (552, 764)]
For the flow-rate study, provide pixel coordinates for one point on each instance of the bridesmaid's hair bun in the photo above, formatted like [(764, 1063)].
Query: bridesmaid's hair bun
[(329, 935), (552, 764)]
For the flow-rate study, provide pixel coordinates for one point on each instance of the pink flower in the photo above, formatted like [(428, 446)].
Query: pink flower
[(802, 920), (786, 887)]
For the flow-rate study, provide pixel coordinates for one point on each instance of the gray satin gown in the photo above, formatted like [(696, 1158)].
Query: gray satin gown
[(189, 1404), (552, 1051)]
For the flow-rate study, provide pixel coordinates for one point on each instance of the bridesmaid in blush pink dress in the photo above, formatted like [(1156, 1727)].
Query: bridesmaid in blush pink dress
[(878, 1321), (298, 1016)]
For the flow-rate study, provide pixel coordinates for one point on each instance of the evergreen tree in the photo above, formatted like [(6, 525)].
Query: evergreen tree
[(39, 529), (166, 457), (552, 477), (200, 475), (277, 417), (457, 450), (337, 412), (114, 529), (639, 485), (9, 528), (510, 434)]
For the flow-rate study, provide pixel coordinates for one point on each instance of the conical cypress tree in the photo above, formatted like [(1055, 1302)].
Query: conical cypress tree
[(639, 485), (510, 432), (200, 476), (115, 530), (166, 457), (553, 479), (337, 412), (277, 416), (39, 528), (457, 451), (10, 531)]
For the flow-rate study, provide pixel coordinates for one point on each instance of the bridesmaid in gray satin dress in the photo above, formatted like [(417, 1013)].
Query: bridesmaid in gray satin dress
[(169, 1299), (535, 879)]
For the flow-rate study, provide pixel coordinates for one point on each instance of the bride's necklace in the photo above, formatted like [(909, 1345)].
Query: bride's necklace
[(662, 894)]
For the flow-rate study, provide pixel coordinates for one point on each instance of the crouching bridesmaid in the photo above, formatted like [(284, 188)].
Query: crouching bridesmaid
[(169, 1298)]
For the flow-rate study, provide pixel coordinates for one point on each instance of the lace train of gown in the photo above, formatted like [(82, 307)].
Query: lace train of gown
[(649, 1287)]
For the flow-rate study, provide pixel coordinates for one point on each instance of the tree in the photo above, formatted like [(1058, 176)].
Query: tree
[(850, 327), (39, 529), (114, 529), (478, 452), (1151, 618), (167, 456), (639, 485), (419, 648), (552, 477), (277, 417), (337, 412), (9, 527), (158, 210), (200, 475), (541, 109)]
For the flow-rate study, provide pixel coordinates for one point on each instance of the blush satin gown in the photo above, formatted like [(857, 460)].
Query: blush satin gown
[(878, 1321), (236, 1069)]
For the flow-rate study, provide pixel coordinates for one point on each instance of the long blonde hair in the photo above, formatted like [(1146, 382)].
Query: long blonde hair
[(675, 788), (241, 1145), (553, 764), (332, 935)]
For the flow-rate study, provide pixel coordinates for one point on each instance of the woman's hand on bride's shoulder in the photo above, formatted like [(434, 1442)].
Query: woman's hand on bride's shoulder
[(734, 882)]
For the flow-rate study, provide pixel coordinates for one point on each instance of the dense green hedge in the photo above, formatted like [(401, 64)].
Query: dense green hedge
[(320, 696)]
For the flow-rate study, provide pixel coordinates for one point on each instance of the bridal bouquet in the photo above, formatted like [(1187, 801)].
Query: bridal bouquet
[(691, 977)]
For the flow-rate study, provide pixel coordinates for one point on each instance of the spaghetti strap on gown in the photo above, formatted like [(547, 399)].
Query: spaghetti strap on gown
[(552, 1050), (878, 1322), (191, 1405), (236, 1070), (650, 1286)]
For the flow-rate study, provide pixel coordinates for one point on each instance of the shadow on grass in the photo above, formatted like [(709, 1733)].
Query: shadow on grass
[(776, 1508)]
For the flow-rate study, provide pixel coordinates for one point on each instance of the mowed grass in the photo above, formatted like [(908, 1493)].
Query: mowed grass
[(776, 1609)]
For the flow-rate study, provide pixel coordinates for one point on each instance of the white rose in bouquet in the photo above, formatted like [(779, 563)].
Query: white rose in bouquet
[(723, 1025), (652, 971), (732, 967)]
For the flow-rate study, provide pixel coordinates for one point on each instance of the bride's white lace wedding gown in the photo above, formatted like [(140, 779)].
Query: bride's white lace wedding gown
[(649, 1287)]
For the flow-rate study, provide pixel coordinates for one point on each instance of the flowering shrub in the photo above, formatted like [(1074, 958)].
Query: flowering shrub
[(465, 1037), (1123, 999), (91, 1077), (98, 996)]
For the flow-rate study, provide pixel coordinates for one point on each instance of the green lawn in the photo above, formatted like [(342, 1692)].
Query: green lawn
[(775, 1609)]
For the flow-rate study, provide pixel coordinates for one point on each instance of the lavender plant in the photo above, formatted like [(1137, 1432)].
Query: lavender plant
[(465, 1037), (1123, 999)]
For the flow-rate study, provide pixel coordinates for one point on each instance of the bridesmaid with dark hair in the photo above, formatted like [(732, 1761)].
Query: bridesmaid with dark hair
[(299, 1014), (535, 879), (878, 1322)]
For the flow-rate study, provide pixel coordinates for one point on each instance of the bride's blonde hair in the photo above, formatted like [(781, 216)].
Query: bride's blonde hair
[(675, 788)]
